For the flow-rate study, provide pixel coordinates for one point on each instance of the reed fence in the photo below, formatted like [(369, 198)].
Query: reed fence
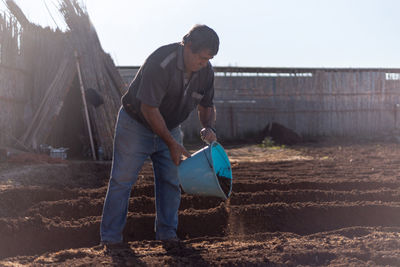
[(313, 102)]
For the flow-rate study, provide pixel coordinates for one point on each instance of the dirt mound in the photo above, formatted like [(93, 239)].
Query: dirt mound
[(331, 204), (280, 134)]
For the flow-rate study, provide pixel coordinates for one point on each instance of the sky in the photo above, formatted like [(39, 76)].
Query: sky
[(253, 33)]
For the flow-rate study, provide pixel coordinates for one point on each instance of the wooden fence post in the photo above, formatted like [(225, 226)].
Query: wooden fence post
[(85, 105)]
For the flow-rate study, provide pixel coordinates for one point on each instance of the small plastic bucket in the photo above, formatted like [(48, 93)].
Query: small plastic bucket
[(207, 172)]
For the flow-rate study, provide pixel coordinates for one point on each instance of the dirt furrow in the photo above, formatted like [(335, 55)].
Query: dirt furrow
[(353, 184), (309, 218), (42, 234), (309, 195), (33, 235), (16, 201)]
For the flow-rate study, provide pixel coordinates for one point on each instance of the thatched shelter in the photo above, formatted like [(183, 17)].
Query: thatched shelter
[(51, 74), (12, 99)]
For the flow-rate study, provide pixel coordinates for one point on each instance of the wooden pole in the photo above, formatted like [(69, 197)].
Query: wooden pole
[(85, 105), (43, 102)]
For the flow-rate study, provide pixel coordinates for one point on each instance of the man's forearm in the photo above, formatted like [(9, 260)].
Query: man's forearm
[(207, 116), (157, 123)]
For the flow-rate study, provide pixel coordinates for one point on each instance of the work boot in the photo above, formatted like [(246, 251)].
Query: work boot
[(113, 245), (171, 243)]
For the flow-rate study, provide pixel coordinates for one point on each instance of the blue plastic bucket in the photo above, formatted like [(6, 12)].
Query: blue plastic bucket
[(207, 172)]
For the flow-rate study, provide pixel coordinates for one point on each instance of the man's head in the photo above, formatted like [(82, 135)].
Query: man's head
[(200, 45)]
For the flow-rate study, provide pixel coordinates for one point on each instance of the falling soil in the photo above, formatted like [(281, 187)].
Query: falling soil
[(225, 184), (318, 204)]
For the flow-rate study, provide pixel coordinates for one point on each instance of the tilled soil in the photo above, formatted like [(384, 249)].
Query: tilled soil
[(316, 204)]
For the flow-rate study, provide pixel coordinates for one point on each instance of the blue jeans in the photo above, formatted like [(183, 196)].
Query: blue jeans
[(133, 144)]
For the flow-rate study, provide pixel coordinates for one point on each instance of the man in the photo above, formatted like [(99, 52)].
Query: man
[(174, 80)]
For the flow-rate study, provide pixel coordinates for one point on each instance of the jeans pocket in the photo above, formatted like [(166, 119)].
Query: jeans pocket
[(127, 122), (124, 123)]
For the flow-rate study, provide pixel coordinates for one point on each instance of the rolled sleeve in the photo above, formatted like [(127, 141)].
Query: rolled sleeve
[(153, 84)]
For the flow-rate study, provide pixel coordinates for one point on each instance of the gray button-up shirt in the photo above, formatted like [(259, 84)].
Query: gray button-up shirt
[(160, 83)]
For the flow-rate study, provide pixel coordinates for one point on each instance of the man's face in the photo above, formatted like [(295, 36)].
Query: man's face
[(196, 61)]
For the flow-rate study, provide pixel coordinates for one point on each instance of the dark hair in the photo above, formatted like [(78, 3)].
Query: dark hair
[(202, 37)]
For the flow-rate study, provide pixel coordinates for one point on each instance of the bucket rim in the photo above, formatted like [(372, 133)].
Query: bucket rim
[(210, 146)]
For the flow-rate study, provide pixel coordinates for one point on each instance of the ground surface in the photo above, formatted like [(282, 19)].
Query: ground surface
[(317, 204)]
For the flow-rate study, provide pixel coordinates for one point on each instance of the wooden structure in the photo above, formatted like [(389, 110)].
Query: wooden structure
[(12, 74), (312, 102), (42, 91)]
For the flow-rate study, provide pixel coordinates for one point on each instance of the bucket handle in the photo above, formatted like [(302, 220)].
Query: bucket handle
[(208, 160)]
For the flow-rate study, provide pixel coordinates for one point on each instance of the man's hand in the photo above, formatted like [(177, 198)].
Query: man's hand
[(177, 152), (208, 135), (207, 120), (157, 123)]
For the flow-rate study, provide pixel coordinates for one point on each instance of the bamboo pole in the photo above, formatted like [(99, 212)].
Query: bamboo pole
[(85, 105)]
